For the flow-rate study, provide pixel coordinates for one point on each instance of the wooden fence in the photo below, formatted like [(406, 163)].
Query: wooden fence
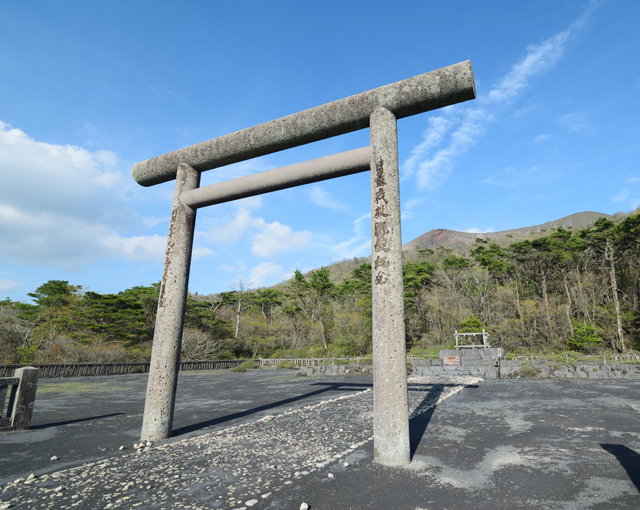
[(78, 369)]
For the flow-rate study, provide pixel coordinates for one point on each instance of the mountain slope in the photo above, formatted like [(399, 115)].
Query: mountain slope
[(443, 237)]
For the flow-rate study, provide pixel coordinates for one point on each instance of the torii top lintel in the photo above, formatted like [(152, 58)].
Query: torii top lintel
[(422, 93)]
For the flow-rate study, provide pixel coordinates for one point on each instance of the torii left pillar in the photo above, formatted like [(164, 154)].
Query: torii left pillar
[(157, 420)]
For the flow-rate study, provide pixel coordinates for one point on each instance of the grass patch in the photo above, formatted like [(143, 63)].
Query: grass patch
[(528, 372), (68, 388), (249, 364), (286, 364)]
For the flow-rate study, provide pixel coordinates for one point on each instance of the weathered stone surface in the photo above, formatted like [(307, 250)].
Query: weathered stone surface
[(25, 398), (436, 89), (391, 424), (157, 421)]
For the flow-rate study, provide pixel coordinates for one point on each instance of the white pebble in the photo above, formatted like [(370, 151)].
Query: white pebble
[(304, 506), (330, 475), (251, 502), (346, 464), (266, 495), (54, 457)]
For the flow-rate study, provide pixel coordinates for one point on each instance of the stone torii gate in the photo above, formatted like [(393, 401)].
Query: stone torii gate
[(378, 109)]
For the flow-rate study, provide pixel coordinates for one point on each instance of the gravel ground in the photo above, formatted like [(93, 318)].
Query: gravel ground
[(238, 467)]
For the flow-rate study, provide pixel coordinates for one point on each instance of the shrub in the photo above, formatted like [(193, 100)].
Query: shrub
[(472, 324), (528, 372), (286, 364), (239, 368), (585, 338), (250, 364)]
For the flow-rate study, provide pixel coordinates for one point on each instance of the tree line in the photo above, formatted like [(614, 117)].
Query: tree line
[(564, 291)]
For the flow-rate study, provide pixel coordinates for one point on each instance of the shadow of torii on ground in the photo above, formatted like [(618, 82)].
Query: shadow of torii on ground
[(327, 387)]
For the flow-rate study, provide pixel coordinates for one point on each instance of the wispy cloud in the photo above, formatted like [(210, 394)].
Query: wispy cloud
[(320, 197), (574, 122), (431, 137), (541, 138), (634, 179), (468, 123), (359, 244), (480, 231), (267, 273), (409, 206), (164, 94), (514, 177), (622, 196), (239, 266), (7, 286)]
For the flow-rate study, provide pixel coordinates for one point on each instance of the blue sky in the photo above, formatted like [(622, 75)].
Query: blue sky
[(90, 88)]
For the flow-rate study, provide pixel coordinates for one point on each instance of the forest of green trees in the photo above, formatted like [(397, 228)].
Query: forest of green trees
[(564, 291)]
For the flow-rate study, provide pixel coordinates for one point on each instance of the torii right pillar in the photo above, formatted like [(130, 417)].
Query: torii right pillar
[(390, 401)]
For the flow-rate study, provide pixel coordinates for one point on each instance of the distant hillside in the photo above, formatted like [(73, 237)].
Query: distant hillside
[(443, 237)]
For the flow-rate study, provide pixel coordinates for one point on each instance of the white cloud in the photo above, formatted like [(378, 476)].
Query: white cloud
[(6, 286), (164, 94), (236, 170), (65, 206), (357, 246), (634, 179), (320, 197), (230, 232), (479, 231), (269, 240), (267, 273), (276, 238), (250, 202), (137, 247), (468, 123), (239, 266), (622, 196), (152, 221), (200, 252), (431, 137), (541, 138), (409, 206), (574, 122)]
